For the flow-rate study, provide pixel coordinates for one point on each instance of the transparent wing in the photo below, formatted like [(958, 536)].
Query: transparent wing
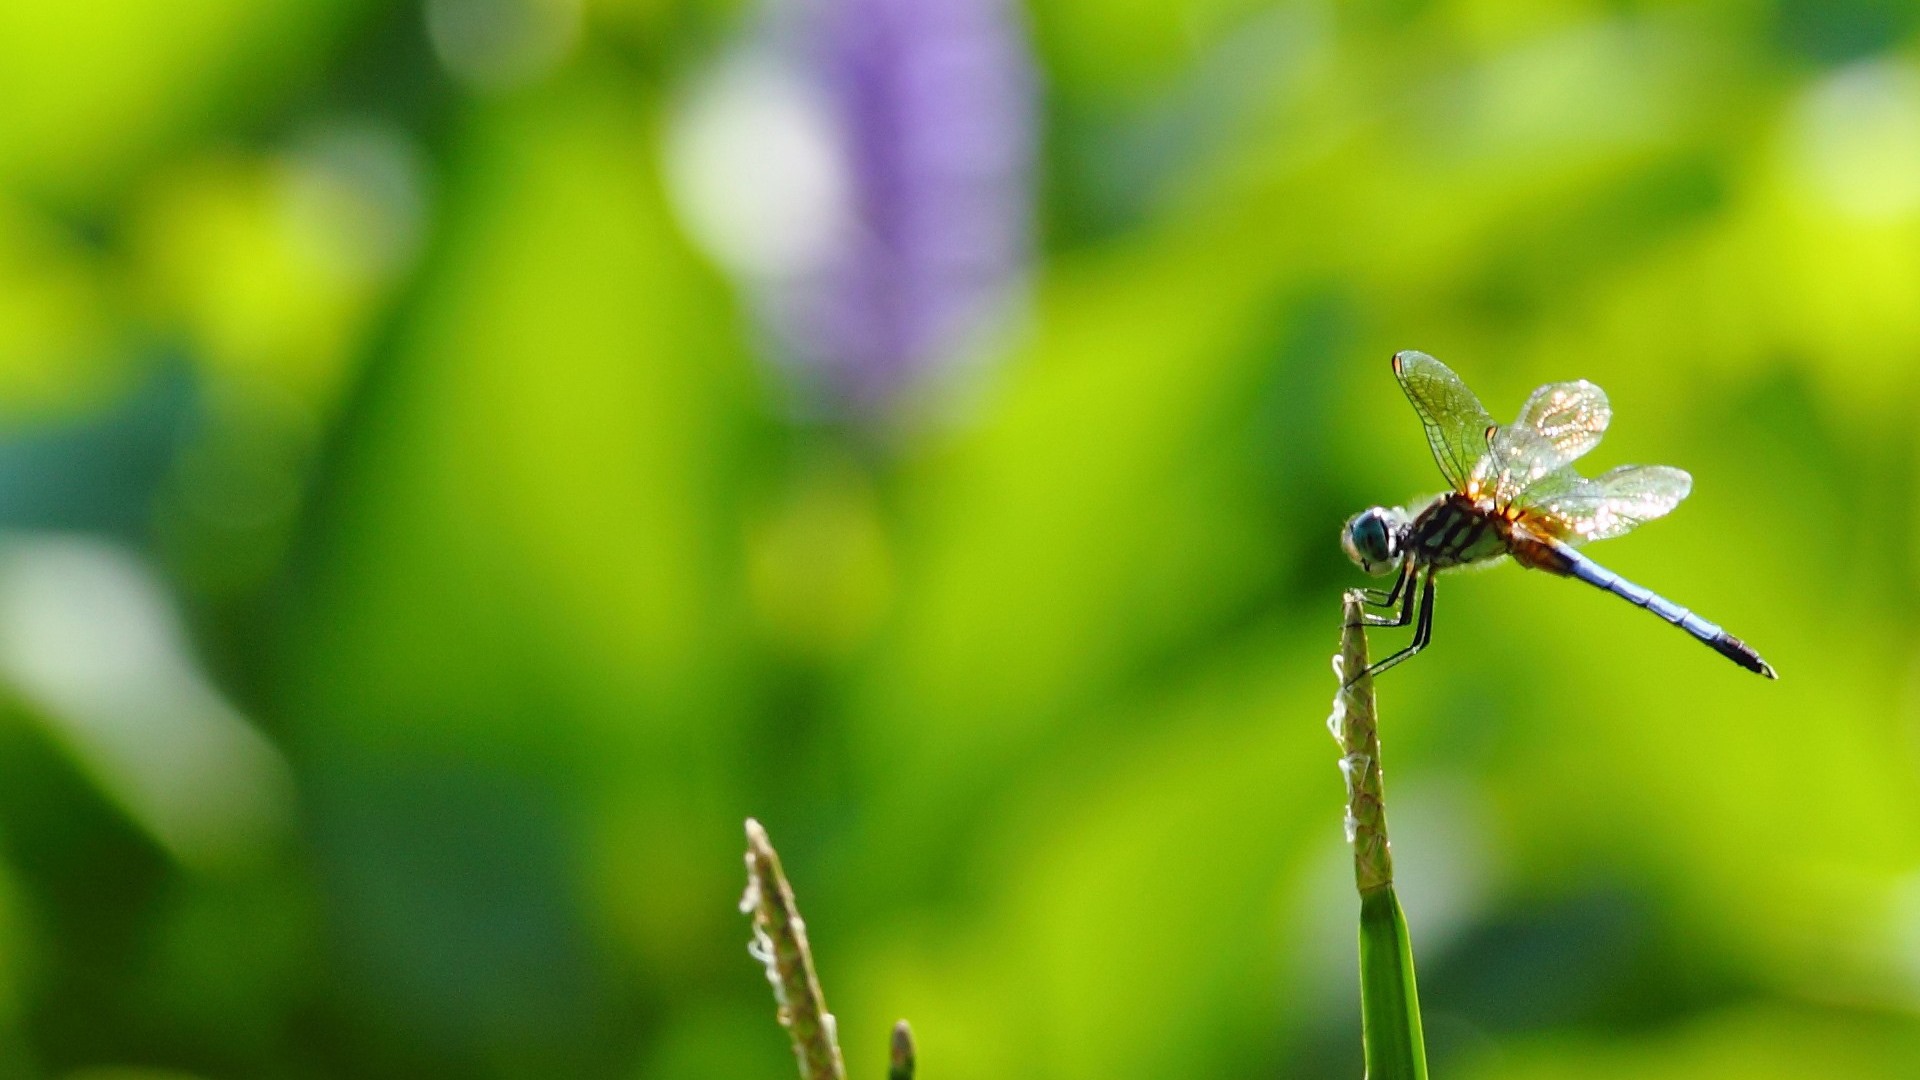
[(1570, 507), (1560, 422), (1456, 423), (1517, 458), (1571, 416)]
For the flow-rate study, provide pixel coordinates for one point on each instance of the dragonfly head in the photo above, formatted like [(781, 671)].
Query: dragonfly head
[(1372, 539)]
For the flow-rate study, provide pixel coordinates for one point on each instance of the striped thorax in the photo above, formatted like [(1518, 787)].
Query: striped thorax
[(1454, 530)]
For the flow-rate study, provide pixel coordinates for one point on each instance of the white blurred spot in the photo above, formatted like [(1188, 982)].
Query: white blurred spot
[(89, 638), (1447, 867), (1855, 140), (756, 169), (501, 44), (1445, 861), (365, 184), (1905, 932)]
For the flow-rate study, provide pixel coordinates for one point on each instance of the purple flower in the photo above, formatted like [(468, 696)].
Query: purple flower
[(935, 105)]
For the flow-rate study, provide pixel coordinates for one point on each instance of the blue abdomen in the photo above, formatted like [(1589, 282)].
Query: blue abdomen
[(1711, 634)]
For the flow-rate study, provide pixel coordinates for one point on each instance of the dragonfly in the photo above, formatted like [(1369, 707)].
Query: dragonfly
[(1514, 492)]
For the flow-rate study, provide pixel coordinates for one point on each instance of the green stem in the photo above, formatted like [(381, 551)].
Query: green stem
[(1389, 998)]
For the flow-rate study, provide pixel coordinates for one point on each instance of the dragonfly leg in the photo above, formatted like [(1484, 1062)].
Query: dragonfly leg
[(1403, 588), (1422, 631), (1388, 597)]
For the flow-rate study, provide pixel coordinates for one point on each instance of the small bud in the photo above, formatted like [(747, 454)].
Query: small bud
[(900, 1060)]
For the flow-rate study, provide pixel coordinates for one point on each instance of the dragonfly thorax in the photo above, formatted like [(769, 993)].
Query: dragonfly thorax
[(1374, 539), (1456, 530)]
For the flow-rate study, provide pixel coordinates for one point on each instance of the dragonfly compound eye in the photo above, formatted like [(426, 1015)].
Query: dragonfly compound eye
[(1371, 541)]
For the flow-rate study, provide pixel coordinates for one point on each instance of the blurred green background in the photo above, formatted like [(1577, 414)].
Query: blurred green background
[(461, 457)]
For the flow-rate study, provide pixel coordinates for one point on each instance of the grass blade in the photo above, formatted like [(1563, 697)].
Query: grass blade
[(1389, 1000)]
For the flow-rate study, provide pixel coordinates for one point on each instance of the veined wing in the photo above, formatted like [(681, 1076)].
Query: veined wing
[(1517, 458), (1571, 416), (1559, 423), (1456, 423), (1570, 507)]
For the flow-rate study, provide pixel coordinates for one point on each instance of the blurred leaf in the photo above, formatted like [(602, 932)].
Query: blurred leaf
[(528, 571), (87, 90), (1760, 1043), (1135, 898), (59, 345)]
